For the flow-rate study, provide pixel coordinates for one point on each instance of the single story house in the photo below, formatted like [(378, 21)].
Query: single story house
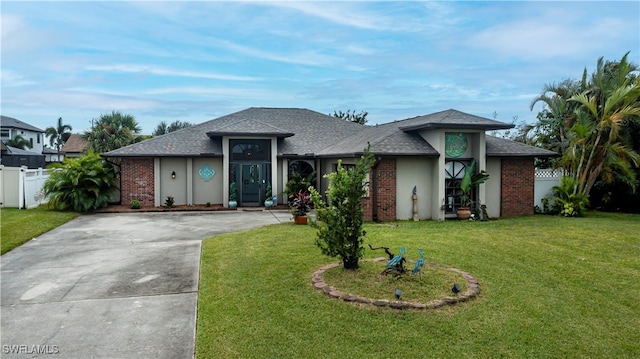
[(257, 147), (74, 147)]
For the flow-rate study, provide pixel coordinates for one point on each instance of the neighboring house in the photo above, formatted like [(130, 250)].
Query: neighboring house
[(260, 146), (16, 157), (10, 127), (74, 146), (51, 155)]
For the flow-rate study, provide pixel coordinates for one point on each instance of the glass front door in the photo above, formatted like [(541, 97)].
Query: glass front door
[(251, 185), (251, 182)]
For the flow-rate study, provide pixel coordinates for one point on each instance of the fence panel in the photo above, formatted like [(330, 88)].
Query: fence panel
[(9, 186), (546, 179), (33, 182), (21, 187)]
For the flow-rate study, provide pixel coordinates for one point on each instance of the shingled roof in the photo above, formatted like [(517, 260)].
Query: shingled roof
[(452, 119), (500, 147), (10, 122), (306, 133), (312, 133)]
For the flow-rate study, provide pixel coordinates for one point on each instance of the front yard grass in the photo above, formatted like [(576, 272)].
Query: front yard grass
[(21, 225), (552, 287)]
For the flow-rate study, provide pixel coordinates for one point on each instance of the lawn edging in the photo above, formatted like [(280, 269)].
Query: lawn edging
[(472, 291)]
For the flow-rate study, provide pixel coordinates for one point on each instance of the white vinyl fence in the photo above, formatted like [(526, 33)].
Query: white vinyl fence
[(21, 187), (546, 179)]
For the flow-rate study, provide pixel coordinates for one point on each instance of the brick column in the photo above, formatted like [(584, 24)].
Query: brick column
[(517, 187), (385, 188), (137, 181)]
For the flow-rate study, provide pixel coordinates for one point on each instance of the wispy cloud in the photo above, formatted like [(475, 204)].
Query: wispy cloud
[(160, 71)]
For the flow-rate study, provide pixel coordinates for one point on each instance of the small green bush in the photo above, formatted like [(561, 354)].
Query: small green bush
[(169, 202), (135, 204), (80, 184), (339, 223)]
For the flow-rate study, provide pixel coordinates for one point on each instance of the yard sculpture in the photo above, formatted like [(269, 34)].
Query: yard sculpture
[(396, 263)]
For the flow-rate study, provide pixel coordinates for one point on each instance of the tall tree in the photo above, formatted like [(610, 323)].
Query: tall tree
[(59, 134), (112, 131), (557, 116), (19, 142), (590, 122), (352, 116), (163, 128), (596, 149)]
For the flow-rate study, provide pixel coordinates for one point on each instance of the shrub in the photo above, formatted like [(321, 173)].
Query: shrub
[(566, 202), (80, 184), (169, 202), (339, 223), (135, 204)]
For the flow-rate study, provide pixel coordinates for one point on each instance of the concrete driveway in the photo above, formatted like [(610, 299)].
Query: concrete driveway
[(112, 285)]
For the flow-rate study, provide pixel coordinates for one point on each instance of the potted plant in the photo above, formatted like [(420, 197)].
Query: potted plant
[(269, 197), (470, 180), (300, 206), (232, 195)]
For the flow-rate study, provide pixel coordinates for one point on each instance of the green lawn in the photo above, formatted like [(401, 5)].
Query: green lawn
[(552, 287), (21, 225)]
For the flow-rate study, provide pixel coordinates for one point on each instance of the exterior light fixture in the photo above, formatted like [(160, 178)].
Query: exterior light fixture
[(456, 288), (173, 175)]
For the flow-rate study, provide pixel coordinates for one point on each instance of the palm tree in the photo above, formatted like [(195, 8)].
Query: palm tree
[(112, 131), (555, 120), (163, 128), (58, 135), (597, 149), (19, 142)]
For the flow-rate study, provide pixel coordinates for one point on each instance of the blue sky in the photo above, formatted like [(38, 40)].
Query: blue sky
[(194, 61)]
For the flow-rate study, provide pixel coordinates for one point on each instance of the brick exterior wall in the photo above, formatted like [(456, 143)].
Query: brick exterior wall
[(385, 192), (517, 187), (137, 181)]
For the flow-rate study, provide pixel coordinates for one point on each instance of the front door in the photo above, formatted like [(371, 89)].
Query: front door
[(251, 185)]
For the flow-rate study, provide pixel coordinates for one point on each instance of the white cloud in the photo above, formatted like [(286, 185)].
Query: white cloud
[(155, 70)]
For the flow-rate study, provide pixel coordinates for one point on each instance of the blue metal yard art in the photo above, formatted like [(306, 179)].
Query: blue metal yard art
[(396, 263)]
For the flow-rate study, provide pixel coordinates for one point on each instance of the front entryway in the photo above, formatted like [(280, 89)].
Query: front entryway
[(253, 179), (250, 169)]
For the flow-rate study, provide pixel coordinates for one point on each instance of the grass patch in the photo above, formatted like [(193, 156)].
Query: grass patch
[(552, 287), (21, 225)]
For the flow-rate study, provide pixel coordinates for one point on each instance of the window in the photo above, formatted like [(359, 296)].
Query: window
[(250, 150), (300, 168), (453, 174), (346, 166), (5, 133)]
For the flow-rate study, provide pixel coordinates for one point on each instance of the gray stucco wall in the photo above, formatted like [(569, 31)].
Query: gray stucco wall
[(414, 171), (493, 187)]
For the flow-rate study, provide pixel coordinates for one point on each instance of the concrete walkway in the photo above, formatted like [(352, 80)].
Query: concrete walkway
[(112, 285)]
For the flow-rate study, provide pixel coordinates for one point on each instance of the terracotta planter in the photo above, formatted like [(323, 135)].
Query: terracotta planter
[(300, 219), (464, 213)]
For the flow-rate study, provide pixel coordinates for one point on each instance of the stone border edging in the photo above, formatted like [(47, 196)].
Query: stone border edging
[(472, 291)]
